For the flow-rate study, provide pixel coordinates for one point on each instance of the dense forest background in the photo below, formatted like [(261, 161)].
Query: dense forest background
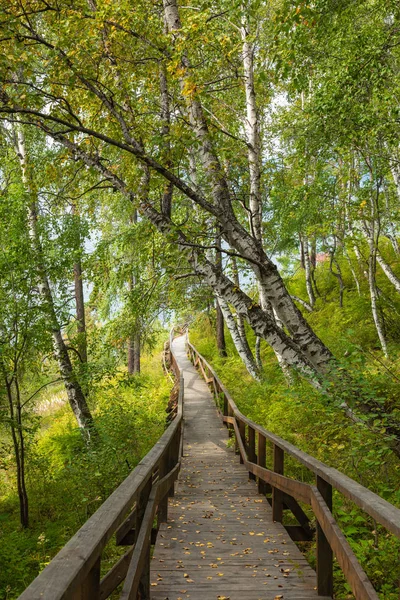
[(234, 166)]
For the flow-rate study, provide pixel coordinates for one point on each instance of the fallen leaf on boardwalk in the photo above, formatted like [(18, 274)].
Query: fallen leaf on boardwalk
[(278, 597), (185, 575), (223, 598), (220, 574), (154, 584), (189, 580)]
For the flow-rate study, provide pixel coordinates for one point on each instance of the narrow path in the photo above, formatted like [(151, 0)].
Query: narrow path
[(220, 541)]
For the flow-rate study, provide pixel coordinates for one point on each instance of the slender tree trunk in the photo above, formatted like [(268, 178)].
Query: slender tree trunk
[(24, 503), (244, 353), (220, 331), (80, 310), (221, 345), (354, 274), (166, 200), (301, 253), (74, 391), (374, 303), (388, 271), (79, 298), (134, 341), (19, 453), (307, 268)]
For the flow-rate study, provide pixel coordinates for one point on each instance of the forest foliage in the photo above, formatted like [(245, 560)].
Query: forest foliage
[(160, 161)]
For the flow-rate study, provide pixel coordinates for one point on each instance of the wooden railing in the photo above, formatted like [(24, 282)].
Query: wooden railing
[(130, 512), (286, 493)]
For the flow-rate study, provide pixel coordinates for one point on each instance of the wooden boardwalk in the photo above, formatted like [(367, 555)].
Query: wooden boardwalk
[(220, 540)]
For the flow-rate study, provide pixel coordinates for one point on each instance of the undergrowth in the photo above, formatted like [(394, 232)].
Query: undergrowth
[(66, 481)]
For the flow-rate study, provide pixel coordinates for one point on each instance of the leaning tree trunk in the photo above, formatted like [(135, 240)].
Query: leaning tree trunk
[(74, 391), (266, 272), (260, 322), (394, 280)]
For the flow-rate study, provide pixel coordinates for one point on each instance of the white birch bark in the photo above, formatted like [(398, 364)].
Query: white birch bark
[(374, 303), (307, 268), (369, 231), (252, 131), (394, 280), (74, 391), (237, 339)]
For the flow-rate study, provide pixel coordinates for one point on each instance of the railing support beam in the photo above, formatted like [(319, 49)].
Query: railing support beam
[(324, 551), (277, 495)]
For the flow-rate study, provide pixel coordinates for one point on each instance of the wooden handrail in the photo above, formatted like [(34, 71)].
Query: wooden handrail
[(287, 491), (129, 512)]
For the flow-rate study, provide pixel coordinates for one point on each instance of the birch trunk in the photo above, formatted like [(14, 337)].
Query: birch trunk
[(220, 331), (74, 391), (373, 237), (388, 271), (307, 268), (240, 319), (243, 352), (374, 303)]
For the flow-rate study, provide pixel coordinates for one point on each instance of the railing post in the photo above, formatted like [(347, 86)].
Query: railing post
[(251, 452), (324, 551), (277, 495), (261, 460), (144, 584), (90, 588), (163, 505), (230, 414), (242, 431)]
